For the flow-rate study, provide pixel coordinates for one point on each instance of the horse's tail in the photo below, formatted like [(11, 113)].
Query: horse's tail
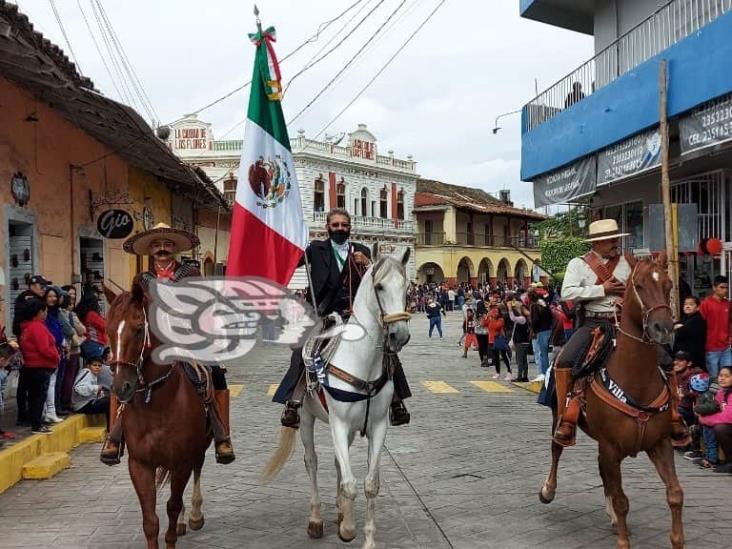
[(281, 455), (162, 476)]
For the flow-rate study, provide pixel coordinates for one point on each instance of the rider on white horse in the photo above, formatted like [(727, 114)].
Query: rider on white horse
[(337, 267)]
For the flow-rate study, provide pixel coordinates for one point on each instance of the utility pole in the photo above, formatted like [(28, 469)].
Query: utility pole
[(668, 214)]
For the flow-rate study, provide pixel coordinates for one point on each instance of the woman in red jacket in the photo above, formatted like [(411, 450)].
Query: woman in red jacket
[(90, 315), (40, 360)]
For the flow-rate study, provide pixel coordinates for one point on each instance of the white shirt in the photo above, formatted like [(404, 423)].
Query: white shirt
[(580, 285), (342, 251)]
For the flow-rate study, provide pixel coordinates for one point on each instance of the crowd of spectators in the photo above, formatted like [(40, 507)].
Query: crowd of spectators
[(59, 348)]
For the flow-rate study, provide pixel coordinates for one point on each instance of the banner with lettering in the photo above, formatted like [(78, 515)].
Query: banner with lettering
[(566, 184), (707, 125), (629, 157)]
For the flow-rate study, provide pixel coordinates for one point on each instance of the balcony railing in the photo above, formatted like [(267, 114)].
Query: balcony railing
[(668, 25), (479, 240), (371, 224)]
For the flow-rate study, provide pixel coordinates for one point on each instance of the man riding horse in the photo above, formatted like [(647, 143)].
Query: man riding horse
[(337, 267), (596, 281), (160, 243)]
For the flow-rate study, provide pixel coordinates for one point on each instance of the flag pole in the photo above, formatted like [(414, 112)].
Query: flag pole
[(256, 15)]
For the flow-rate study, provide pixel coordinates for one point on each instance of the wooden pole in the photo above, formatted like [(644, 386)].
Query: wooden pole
[(668, 225)]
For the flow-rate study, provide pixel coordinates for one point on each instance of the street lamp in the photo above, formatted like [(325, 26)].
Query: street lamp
[(497, 127)]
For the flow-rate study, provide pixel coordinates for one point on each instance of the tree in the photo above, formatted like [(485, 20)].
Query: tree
[(557, 252), (564, 224)]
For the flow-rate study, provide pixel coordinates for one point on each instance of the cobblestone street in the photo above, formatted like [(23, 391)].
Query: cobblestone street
[(465, 474)]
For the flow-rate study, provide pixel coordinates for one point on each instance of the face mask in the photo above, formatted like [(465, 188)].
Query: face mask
[(339, 237)]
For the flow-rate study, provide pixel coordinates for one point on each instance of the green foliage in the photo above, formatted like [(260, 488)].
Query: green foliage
[(557, 252), (565, 224)]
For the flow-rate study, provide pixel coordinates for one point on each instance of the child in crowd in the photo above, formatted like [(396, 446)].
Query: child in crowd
[(90, 396), (721, 420), (469, 331), (684, 370), (705, 404)]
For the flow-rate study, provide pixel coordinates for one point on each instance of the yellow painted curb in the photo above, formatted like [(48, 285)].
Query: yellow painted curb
[(235, 389), (492, 387), (46, 466), (272, 389), (533, 386), (63, 437), (92, 434), (439, 387)]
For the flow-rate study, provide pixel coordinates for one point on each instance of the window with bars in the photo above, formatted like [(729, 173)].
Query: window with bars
[(341, 195), (400, 205), (364, 202), (383, 201), (230, 189)]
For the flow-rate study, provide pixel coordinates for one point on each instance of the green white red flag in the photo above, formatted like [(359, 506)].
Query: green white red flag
[(268, 229)]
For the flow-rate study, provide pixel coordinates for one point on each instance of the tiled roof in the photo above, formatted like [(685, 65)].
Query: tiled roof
[(39, 66), (437, 193)]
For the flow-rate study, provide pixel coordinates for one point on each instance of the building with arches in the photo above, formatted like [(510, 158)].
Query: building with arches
[(464, 234), (377, 190)]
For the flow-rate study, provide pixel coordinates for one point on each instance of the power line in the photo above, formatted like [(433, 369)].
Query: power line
[(343, 69), (63, 32), (382, 69), (322, 27), (310, 65), (99, 51)]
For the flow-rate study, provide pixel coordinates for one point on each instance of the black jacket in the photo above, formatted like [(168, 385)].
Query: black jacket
[(328, 282), (692, 337), (19, 314)]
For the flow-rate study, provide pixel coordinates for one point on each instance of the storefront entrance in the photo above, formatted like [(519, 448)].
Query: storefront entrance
[(20, 259)]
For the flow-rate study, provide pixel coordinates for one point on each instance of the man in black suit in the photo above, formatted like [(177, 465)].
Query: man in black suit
[(336, 269)]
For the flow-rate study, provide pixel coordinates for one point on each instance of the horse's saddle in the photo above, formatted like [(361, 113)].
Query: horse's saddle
[(200, 376), (594, 354)]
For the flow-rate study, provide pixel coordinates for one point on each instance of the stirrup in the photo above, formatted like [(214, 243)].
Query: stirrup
[(565, 434), (224, 452), (290, 416), (108, 456), (398, 414)]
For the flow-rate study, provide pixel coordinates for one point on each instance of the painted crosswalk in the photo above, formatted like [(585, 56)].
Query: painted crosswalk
[(433, 386)]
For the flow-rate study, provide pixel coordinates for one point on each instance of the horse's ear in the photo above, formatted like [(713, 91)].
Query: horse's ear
[(630, 258), (138, 292), (662, 260), (109, 294), (405, 256)]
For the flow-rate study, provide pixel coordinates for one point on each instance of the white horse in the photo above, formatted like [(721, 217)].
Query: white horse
[(379, 308)]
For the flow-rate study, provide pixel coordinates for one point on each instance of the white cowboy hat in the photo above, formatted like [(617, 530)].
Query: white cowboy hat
[(604, 229), (139, 244)]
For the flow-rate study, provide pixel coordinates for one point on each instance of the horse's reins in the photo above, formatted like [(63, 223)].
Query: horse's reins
[(145, 387), (645, 312), (372, 387)]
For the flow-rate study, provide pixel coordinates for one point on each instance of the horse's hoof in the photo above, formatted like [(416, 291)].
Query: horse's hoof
[(196, 524), (315, 530), (181, 529), (542, 498), (346, 538)]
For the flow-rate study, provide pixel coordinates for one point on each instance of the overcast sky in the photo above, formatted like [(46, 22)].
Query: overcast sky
[(438, 100)]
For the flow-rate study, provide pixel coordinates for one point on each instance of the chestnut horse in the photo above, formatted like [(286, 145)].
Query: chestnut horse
[(164, 421), (646, 322)]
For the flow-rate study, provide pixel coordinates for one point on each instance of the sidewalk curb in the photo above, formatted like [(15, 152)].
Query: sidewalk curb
[(64, 437), (531, 386)]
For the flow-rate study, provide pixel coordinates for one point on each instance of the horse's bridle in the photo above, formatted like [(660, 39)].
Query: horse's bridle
[(645, 312), (389, 318), (144, 387)]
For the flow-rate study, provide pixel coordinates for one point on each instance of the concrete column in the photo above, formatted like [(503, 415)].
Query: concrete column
[(449, 224)]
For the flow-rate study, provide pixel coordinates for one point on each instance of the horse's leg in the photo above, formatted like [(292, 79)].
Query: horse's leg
[(196, 519), (371, 483), (609, 460), (178, 481), (307, 435), (180, 527), (143, 479), (549, 489), (339, 497), (662, 456), (340, 433), (608, 499)]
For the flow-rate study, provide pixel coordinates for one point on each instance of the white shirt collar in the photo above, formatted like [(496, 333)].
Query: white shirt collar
[(342, 248)]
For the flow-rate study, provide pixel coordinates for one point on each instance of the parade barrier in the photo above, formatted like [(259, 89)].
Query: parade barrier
[(44, 455)]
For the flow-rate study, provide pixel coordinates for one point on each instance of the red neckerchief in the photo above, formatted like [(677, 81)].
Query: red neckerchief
[(165, 273)]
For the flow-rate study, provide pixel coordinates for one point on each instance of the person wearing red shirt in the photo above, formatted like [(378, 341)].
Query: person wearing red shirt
[(40, 360), (715, 311)]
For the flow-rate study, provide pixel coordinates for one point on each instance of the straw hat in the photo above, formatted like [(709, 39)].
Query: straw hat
[(139, 244), (604, 229)]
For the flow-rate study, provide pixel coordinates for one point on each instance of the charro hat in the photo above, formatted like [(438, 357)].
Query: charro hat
[(604, 229), (139, 243)]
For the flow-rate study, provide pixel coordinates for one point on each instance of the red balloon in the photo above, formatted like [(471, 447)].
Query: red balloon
[(714, 246)]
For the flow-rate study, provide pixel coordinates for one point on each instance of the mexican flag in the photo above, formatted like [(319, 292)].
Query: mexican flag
[(268, 231)]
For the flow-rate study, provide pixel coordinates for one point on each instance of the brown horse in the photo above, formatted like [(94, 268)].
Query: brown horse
[(164, 421), (646, 322)]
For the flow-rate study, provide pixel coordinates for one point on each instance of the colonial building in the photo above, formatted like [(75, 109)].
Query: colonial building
[(593, 137), (467, 235), (378, 190), (78, 171)]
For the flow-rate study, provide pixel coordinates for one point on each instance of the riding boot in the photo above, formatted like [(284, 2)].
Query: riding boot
[(680, 436), (112, 448), (290, 415), (398, 413), (219, 412), (568, 408)]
